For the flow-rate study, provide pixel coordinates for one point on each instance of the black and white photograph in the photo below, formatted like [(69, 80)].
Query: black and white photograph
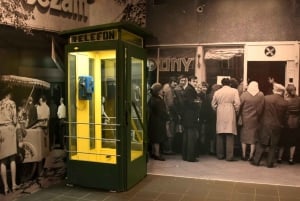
[(149, 100)]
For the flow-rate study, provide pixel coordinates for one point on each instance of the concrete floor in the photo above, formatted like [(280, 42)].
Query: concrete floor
[(211, 168)]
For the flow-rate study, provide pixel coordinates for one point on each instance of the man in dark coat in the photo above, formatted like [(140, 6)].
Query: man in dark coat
[(272, 122), (179, 107), (190, 120)]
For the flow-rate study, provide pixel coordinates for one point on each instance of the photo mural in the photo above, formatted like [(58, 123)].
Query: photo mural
[(28, 128)]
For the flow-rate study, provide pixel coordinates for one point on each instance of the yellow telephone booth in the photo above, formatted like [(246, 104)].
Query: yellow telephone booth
[(106, 67)]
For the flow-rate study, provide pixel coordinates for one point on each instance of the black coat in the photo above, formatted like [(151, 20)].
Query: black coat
[(191, 107), (273, 119), (158, 117)]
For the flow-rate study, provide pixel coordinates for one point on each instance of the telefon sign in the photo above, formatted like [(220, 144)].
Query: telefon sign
[(95, 36), (75, 8)]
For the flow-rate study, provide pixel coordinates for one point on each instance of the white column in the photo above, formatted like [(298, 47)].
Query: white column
[(200, 68)]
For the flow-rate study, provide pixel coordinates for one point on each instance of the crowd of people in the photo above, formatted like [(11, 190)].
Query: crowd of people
[(191, 118), (15, 120)]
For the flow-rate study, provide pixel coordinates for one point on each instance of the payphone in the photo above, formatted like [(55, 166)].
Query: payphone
[(86, 87)]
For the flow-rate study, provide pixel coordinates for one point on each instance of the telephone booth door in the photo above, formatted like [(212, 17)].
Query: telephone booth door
[(135, 72), (106, 107)]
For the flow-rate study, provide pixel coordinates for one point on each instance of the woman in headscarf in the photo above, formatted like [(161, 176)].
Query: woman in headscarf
[(252, 103)]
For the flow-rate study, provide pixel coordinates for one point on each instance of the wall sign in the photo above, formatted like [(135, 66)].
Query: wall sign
[(95, 36), (170, 61), (168, 64), (78, 9), (270, 51)]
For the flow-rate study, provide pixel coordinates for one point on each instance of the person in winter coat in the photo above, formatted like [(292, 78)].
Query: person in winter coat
[(158, 117), (190, 122), (272, 124), (169, 97), (290, 137), (226, 102), (252, 104), (179, 105)]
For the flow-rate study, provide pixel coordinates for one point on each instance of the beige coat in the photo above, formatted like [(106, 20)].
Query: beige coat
[(226, 103)]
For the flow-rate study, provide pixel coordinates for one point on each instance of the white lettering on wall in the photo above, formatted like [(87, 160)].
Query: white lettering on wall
[(56, 5), (175, 64), (172, 64), (31, 2), (66, 6), (76, 8), (44, 3)]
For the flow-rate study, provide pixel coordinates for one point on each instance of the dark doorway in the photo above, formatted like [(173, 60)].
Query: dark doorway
[(260, 71)]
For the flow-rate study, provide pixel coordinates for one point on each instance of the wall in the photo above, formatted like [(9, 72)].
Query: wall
[(61, 18), (104, 11), (173, 22), (177, 21), (58, 15)]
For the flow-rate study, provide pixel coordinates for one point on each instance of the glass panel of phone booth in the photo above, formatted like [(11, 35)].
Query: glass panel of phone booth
[(135, 73), (93, 122), (136, 123)]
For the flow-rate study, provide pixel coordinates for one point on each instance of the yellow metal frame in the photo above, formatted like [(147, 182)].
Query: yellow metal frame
[(83, 152)]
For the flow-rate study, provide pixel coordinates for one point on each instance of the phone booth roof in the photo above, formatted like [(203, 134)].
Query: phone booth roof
[(127, 26)]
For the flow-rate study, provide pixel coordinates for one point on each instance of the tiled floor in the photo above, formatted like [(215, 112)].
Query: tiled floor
[(165, 188), (208, 180)]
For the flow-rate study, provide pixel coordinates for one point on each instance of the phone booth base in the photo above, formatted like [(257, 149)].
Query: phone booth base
[(95, 175), (106, 100)]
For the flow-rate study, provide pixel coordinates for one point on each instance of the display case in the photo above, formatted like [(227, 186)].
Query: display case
[(106, 68)]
